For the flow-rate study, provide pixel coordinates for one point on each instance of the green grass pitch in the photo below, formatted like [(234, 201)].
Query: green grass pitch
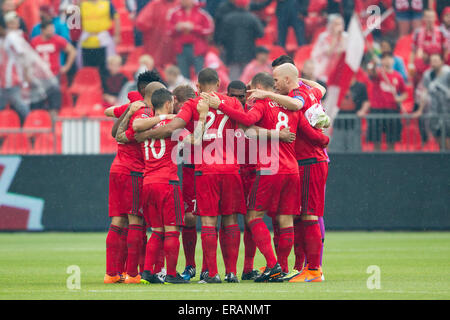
[(412, 266)]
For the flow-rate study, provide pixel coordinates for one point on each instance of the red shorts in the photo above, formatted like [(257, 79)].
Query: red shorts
[(189, 188), (313, 178), (277, 194), (248, 176), (219, 194), (125, 194), (163, 204)]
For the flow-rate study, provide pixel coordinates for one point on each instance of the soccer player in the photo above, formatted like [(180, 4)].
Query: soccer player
[(247, 171), (124, 190), (162, 195), (219, 190)]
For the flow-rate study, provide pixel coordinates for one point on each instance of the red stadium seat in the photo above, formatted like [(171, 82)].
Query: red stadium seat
[(126, 44), (403, 48), (275, 52), (44, 144), (38, 119), (303, 53), (86, 79), (9, 119), (132, 63), (16, 143), (107, 143), (89, 104)]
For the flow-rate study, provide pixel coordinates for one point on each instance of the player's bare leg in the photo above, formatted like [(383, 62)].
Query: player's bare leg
[(231, 241), (136, 231), (263, 241), (115, 249), (189, 236), (209, 246)]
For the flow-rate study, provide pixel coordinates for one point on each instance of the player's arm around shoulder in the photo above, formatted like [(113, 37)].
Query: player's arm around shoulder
[(146, 122), (290, 103), (121, 135)]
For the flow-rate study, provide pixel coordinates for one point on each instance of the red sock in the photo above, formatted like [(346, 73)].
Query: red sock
[(189, 236), (134, 244), (261, 236), (313, 243), (154, 246), (299, 245), (204, 264), (113, 248), (160, 259), (143, 249), (232, 239), (224, 247), (209, 244), (285, 244), (276, 234), (250, 250), (123, 250), (171, 250)]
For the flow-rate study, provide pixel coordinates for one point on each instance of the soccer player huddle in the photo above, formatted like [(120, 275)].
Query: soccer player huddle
[(257, 150)]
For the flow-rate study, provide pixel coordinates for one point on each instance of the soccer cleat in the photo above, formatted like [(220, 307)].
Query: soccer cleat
[(321, 273), (290, 275), (250, 275), (261, 270), (231, 278), (208, 279), (188, 273), (307, 275), (175, 279), (279, 278), (130, 279), (148, 278), (112, 279), (268, 273), (204, 274)]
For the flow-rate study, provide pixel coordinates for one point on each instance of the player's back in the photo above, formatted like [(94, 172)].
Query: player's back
[(277, 117), (160, 159)]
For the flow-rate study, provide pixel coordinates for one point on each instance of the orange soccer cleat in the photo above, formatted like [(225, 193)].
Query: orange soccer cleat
[(112, 279), (308, 275), (130, 279)]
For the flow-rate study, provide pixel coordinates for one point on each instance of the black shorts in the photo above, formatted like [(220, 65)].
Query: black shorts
[(391, 127)]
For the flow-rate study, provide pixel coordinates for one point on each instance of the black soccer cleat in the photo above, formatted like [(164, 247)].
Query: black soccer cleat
[(250, 275), (208, 279), (269, 273), (175, 279), (204, 275), (231, 278), (279, 278), (188, 273), (148, 278)]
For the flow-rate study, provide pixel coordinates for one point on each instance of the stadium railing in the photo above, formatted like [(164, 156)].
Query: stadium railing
[(93, 135)]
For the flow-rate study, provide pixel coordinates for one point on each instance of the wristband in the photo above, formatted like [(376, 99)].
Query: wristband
[(162, 117)]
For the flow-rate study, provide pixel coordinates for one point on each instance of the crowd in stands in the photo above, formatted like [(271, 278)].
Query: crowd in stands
[(76, 57)]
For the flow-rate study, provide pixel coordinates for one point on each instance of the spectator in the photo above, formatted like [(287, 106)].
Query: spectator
[(12, 21), (49, 46), (10, 6), (238, 33), (114, 81), (399, 65), (134, 8), (174, 78), (261, 63), (182, 93), (409, 15), (344, 8), (97, 18), (11, 82), (347, 132), (190, 26), (387, 95), (153, 23), (445, 29), (47, 14), (427, 39), (213, 61), (291, 13), (436, 100), (146, 63), (308, 73), (329, 47)]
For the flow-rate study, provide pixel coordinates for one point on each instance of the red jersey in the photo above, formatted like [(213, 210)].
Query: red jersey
[(160, 159), (382, 84), (310, 142), (129, 155), (217, 155), (50, 50), (249, 161)]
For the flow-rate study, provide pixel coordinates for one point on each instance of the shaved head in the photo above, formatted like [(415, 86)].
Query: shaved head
[(286, 78), (152, 87)]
